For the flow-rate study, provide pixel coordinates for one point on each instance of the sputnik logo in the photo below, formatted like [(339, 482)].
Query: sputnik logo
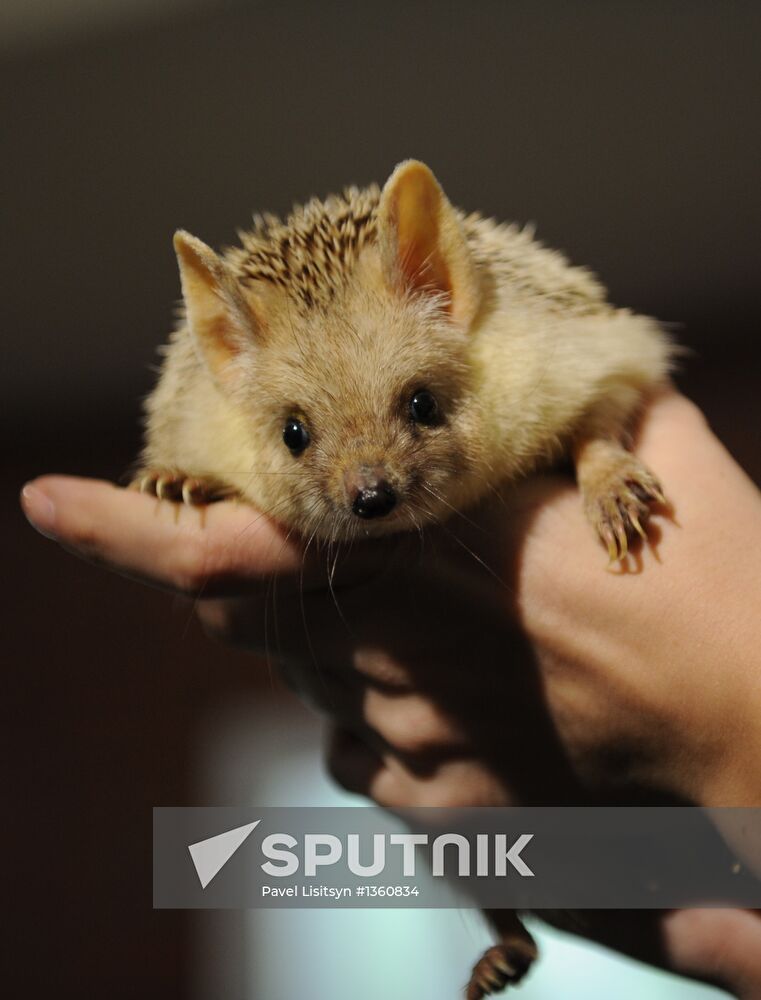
[(320, 850), (211, 855)]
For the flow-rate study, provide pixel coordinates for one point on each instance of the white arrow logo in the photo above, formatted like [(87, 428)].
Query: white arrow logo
[(211, 855)]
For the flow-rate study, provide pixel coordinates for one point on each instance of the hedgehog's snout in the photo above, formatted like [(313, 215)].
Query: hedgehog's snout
[(369, 492)]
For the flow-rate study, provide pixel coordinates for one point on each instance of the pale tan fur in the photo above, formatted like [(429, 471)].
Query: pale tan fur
[(340, 313)]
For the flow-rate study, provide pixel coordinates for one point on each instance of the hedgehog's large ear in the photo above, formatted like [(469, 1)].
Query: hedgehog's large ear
[(422, 243), (219, 318)]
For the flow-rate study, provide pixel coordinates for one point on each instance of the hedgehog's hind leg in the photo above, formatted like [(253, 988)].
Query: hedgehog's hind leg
[(506, 962)]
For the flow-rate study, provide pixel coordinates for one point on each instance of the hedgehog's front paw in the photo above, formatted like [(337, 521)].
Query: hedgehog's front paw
[(504, 963), (618, 490), (191, 490)]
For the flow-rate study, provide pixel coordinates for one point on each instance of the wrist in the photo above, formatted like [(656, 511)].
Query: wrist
[(735, 778)]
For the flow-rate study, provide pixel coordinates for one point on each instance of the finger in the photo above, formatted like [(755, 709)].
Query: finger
[(722, 946), (381, 669), (350, 761), (360, 764), (240, 622), (288, 619), (363, 769), (333, 693), (219, 548), (302, 627), (410, 724), (411, 728)]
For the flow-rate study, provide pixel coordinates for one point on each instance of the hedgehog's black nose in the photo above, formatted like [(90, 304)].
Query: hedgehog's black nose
[(374, 501)]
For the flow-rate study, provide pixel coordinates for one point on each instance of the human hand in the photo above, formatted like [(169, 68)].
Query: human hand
[(498, 660), (502, 662)]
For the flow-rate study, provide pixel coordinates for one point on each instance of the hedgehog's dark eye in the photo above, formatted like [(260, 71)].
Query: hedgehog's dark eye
[(295, 436), (423, 407)]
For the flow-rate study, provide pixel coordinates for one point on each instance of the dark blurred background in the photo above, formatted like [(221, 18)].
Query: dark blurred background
[(628, 132)]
